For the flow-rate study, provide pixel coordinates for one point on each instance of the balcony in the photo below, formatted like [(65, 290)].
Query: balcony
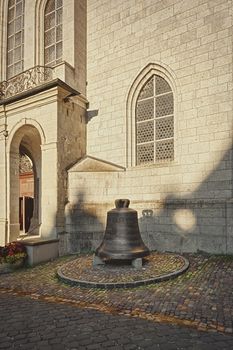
[(25, 81), (38, 79)]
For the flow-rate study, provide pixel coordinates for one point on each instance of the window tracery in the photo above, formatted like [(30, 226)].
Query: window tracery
[(154, 122), (15, 37), (53, 32)]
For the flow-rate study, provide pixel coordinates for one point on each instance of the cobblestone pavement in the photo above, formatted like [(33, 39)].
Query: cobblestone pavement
[(202, 297), (36, 324)]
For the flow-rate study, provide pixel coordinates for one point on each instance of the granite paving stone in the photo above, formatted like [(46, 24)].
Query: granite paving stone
[(107, 331), (202, 297)]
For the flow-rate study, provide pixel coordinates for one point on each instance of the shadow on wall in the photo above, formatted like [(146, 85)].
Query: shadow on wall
[(84, 231), (200, 221)]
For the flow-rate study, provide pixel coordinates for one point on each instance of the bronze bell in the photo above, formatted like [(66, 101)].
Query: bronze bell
[(122, 239)]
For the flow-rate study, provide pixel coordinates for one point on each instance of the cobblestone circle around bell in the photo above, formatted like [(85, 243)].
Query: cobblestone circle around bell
[(157, 267)]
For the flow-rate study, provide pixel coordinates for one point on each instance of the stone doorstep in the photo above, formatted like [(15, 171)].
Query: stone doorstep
[(40, 250)]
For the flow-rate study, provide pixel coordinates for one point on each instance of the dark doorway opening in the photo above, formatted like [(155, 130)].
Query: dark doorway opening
[(26, 192), (26, 213)]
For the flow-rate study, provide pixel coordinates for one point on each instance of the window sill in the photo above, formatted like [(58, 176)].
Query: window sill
[(167, 164)]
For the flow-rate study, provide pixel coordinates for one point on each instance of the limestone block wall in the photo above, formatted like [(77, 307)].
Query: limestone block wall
[(71, 145), (193, 41), (185, 204), (174, 223)]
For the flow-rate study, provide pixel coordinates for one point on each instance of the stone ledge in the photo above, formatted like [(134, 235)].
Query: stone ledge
[(41, 250), (38, 241)]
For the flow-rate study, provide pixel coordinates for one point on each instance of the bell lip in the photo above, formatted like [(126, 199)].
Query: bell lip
[(120, 256), (120, 210)]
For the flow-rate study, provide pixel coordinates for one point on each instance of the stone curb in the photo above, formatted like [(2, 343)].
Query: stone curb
[(133, 284)]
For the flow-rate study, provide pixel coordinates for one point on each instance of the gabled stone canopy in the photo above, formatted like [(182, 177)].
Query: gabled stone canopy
[(91, 164)]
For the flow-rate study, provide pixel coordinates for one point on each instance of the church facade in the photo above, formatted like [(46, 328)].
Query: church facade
[(118, 99)]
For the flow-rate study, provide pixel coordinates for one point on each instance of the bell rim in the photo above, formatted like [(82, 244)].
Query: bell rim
[(122, 210), (122, 256)]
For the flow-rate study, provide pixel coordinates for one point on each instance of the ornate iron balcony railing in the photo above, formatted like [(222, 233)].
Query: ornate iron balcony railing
[(25, 81)]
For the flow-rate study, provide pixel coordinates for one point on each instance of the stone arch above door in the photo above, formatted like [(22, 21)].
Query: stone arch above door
[(27, 137)]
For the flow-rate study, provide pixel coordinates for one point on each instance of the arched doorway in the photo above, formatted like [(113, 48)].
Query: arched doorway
[(24, 182)]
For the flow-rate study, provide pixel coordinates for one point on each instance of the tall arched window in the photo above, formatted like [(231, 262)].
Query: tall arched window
[(53, 32), (15, 37), (155, 122)]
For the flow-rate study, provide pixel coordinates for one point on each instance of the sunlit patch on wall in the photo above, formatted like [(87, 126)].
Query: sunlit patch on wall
[(185, 219)]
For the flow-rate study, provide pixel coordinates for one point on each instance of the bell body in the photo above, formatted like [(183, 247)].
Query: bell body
[(122, 239)]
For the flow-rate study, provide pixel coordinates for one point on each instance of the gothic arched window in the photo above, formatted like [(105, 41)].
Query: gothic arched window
[(155, 122), (53, 32), (15, 37)]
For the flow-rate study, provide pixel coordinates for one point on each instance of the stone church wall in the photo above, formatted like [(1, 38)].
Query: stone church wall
[(186, 204), (87, 160)]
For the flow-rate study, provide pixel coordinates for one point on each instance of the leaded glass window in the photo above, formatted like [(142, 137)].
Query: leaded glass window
[(53, 32), (155, 122), (15, 37)]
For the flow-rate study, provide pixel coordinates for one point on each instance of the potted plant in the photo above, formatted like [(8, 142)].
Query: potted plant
[(12, 256)]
